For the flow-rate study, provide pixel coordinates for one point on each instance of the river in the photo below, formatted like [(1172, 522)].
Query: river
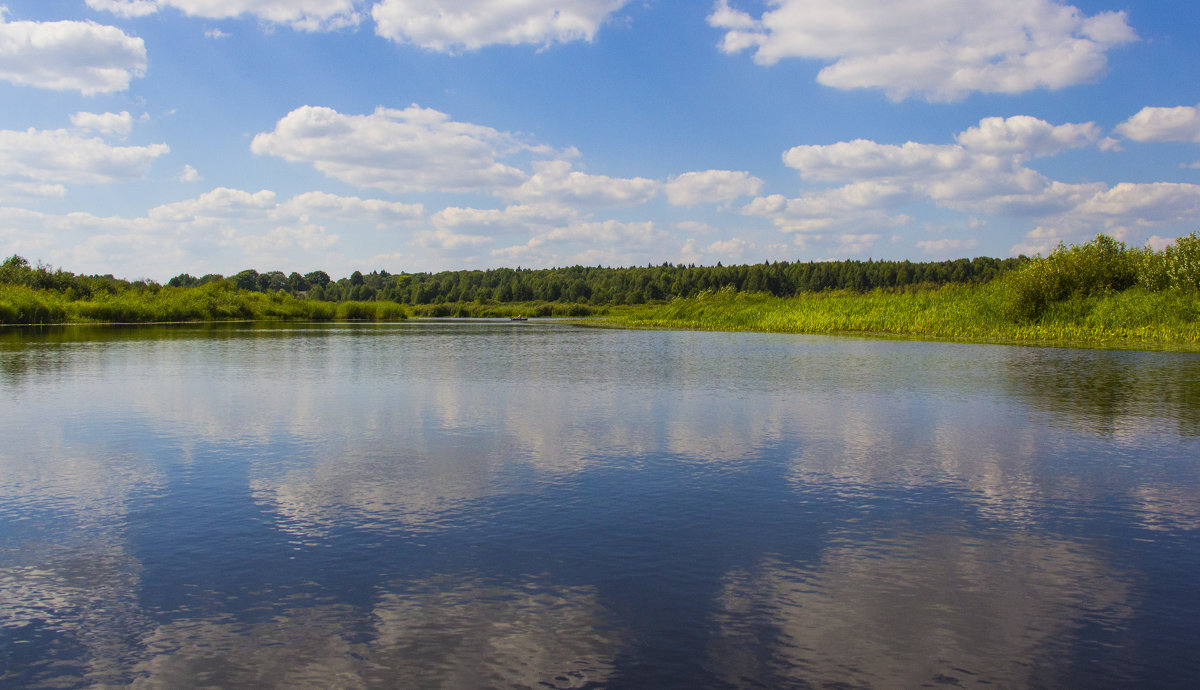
[(476, 504)]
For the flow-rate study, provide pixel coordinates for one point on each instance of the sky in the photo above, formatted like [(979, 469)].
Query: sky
[(148, 138)]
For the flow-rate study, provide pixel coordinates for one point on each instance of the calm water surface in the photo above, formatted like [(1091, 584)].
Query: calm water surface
[(497, 504)]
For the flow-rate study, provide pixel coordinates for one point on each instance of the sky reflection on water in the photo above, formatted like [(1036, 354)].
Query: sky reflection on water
[(502, 505)]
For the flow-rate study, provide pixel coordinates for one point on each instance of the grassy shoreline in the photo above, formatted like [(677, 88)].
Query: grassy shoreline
[(1099, 294), (1134, 318)]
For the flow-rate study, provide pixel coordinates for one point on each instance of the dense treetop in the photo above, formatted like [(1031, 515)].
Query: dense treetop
[(598, 285)]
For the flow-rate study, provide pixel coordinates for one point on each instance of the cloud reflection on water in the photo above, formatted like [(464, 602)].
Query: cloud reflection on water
[(392, 435), (911, 609), (446, 633)]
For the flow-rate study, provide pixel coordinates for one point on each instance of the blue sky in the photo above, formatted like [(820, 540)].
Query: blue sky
[(146, 138)]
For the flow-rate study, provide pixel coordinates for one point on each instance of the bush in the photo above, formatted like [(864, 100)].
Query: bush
[(1101, 266), (1175, 268), (370, 311)]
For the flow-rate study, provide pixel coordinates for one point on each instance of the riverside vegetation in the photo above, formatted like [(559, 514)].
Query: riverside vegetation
[(1098, 293)]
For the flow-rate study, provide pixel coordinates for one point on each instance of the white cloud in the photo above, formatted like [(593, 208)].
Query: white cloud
[(415, 149), (1159, 243), (732, 247), (523, 217), (60, 156), (215, 34), (23, 191), (695, 227), (983, 173), (941, 50), (1126, 211), (382, 213), (606, 242), (219, 204), (731, 250), (1146, 203), (473, 24), (125, 8), (104, 123), (303, 15), (189, 174), (69, 56), (1027, 137), (556, 183), (1181, 123), (861, 158), (711, 186), (947, 246), (223, 230), (445, 239)]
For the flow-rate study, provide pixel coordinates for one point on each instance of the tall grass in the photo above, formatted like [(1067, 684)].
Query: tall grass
[(1135, 318), (493, 310), (210, 302)]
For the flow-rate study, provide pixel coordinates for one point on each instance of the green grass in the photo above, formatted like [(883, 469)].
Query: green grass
[(1098, 294), (503, 310), (212, 302), (1135, 318)]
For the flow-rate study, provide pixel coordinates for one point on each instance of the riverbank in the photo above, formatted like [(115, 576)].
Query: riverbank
[(1098, 294), (22, 305), (1135, 318), (214, 302)]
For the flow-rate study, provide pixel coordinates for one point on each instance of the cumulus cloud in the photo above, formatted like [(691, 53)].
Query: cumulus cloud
[(711, 186), (984, 172), (60, 156), (607, 242), (415, 149), (303, 15), (941, 50), (189, 174), (445, 239), (473, 24), (69, 56), (24, 191), (1181, 123), (555, 182), (220, 203), (732, 249), (1146, 203), (946, 246), (125, 8), (862, 159), (1027, 137), (323, 204), (221, 231), (104, 123), (521, 217)]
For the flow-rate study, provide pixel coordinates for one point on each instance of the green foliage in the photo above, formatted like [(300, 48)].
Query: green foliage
[(1097, 292), (1101, 266), (1175, 268), (214, 301), (1132, 318), (369, 311)]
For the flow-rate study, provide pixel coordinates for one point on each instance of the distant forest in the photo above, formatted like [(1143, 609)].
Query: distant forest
[(607, 286)]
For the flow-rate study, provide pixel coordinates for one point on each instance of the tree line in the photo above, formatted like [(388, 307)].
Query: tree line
[(610, 286)]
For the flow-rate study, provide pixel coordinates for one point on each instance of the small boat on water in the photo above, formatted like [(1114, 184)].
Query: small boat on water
[(519, 317)]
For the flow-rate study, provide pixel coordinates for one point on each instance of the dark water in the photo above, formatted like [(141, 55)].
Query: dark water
[(469, 505)]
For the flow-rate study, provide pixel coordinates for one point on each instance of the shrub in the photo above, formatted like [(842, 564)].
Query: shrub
[(1176, 268), (1097, 267)]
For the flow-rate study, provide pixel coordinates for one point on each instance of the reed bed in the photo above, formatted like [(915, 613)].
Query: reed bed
[(213, 302), (1136, 318)]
